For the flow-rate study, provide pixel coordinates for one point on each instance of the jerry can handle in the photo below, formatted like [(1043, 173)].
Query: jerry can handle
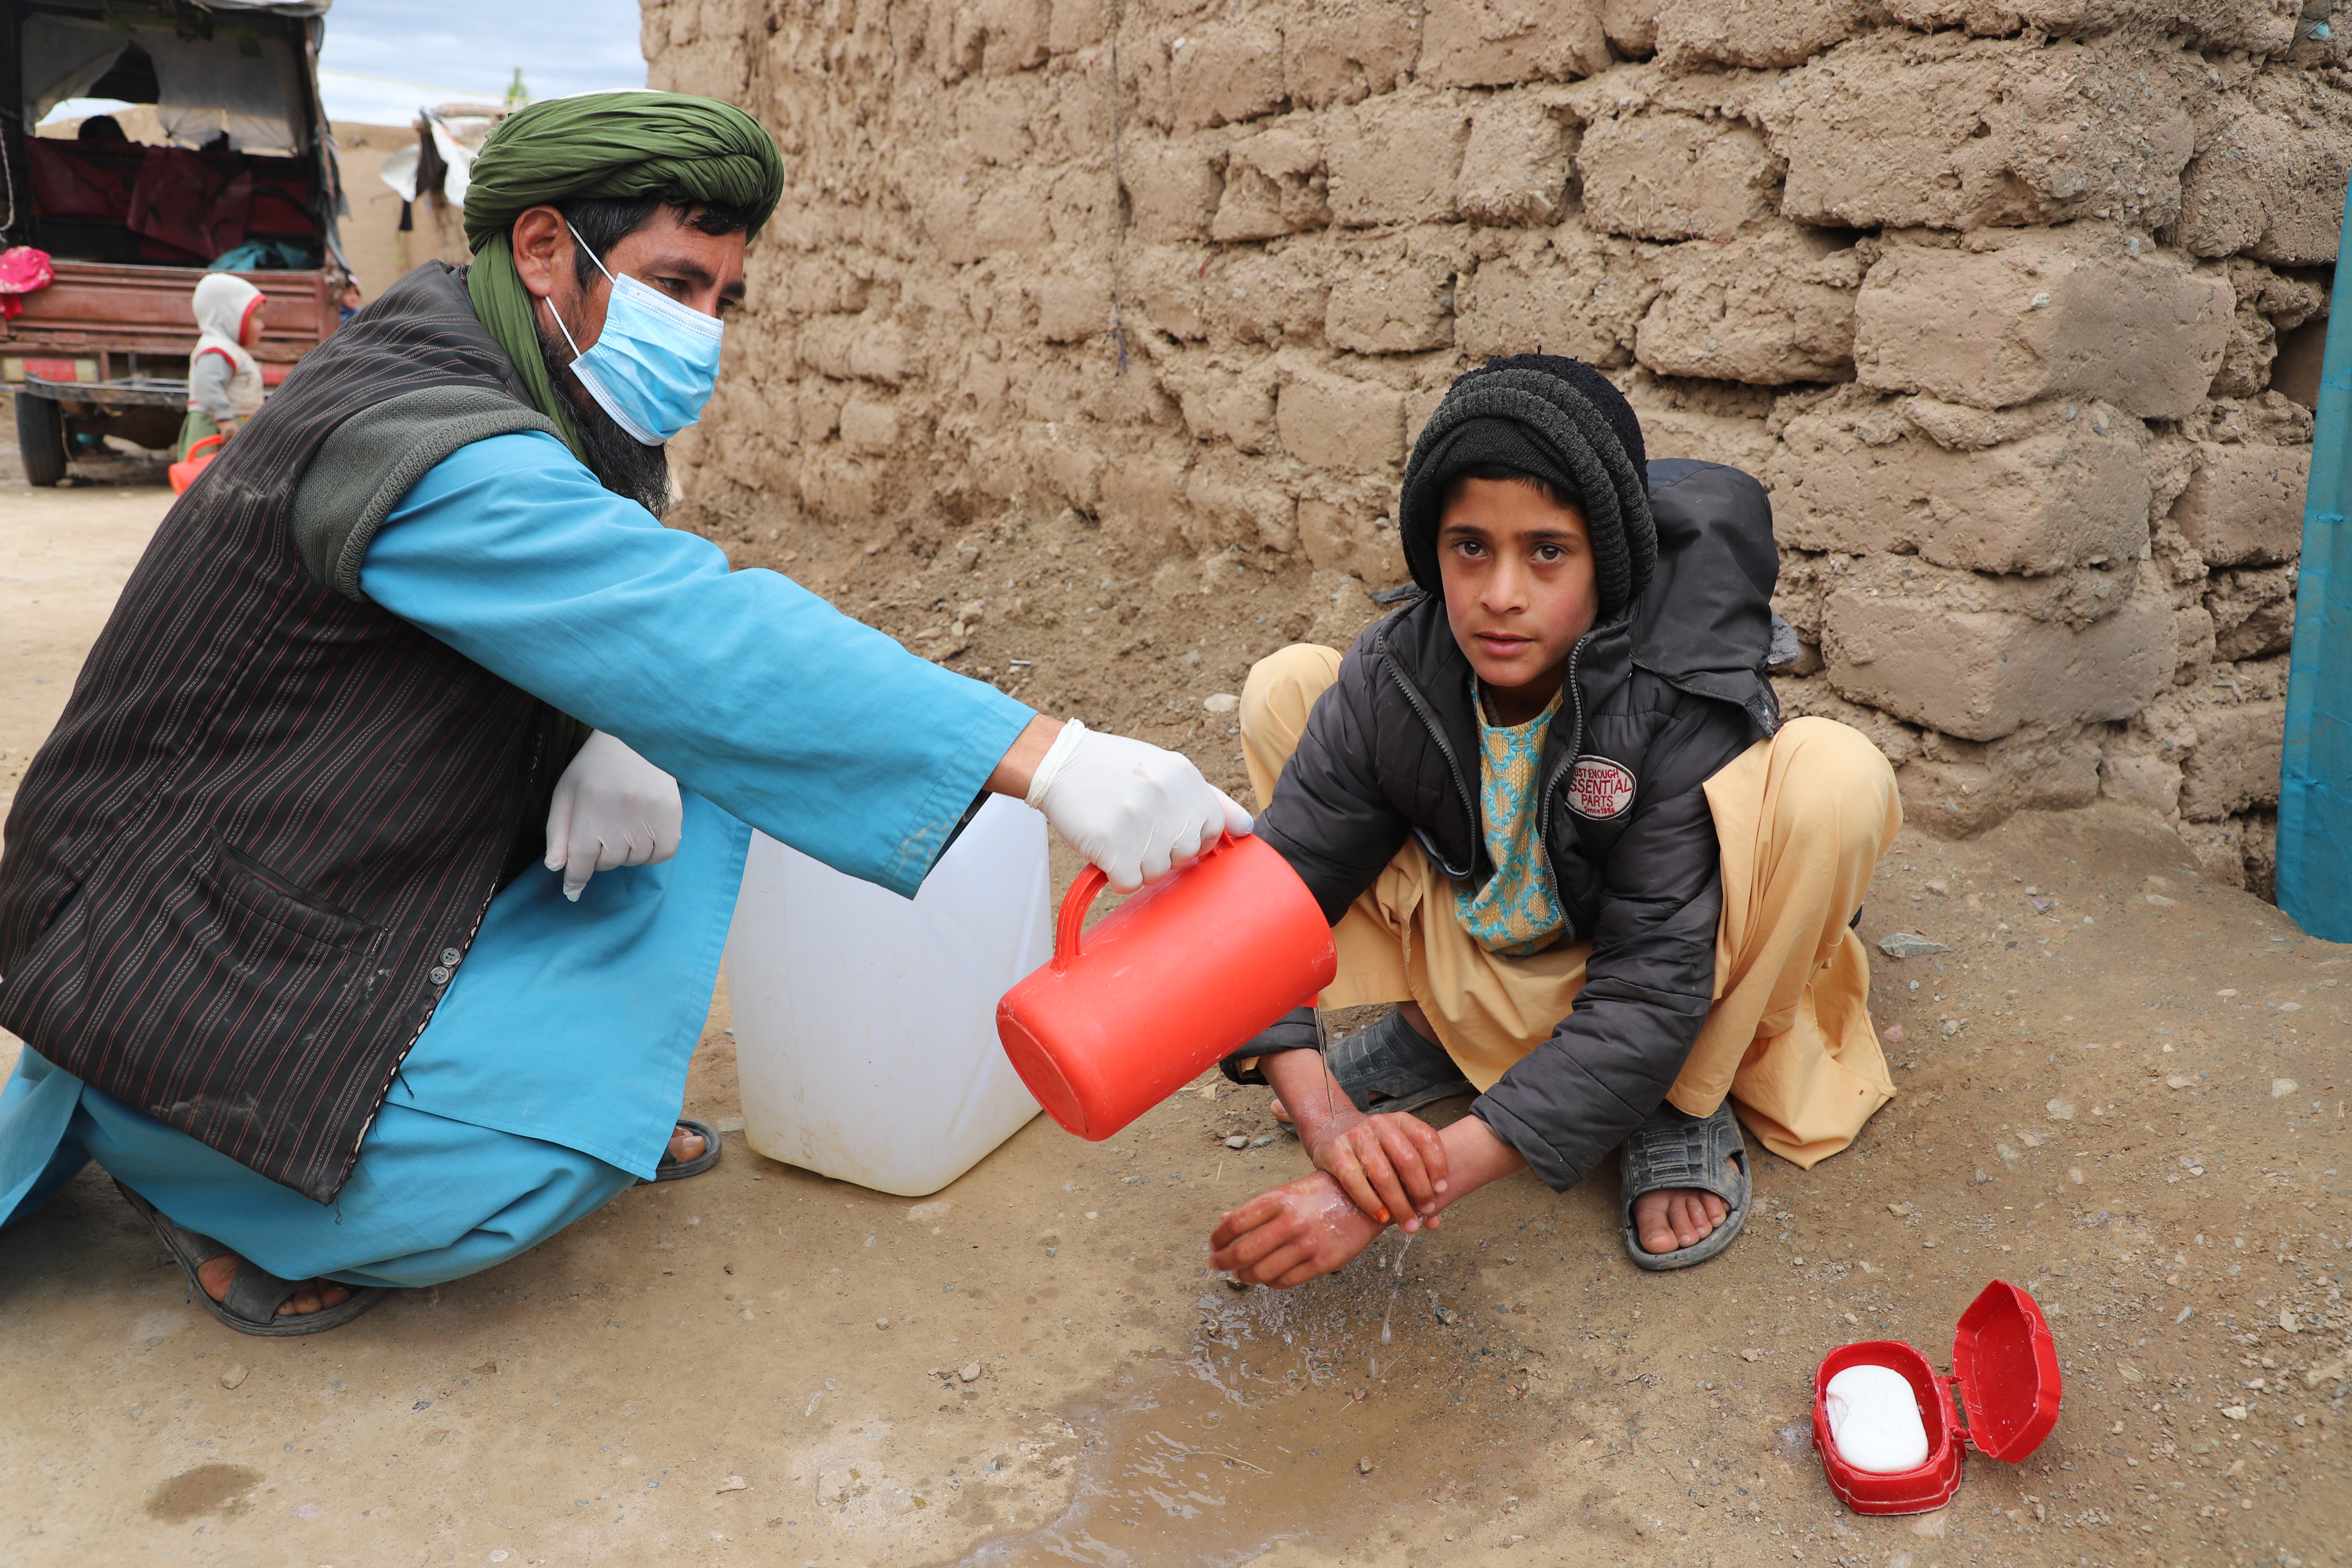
[(204, 448), (1072, 920)]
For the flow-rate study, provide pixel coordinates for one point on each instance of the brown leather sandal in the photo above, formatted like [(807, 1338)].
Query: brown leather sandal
[(671, 1169), (255, 1294)]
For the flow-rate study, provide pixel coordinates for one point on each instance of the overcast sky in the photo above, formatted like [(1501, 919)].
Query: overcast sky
[(384, 58)]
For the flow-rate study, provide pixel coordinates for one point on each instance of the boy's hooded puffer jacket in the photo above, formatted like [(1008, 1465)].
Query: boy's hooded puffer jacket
[(1659, 700)]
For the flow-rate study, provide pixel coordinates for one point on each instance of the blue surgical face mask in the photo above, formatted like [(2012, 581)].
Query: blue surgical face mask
[(654, 365)]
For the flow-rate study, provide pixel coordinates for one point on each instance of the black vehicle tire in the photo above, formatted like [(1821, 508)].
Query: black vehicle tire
[(40, 439)]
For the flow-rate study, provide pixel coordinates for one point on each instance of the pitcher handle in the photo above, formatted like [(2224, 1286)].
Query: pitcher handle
[(1075, 905), (1081, 898)]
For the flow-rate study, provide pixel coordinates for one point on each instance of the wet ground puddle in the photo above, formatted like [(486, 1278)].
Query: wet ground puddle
[(1259, 1431)]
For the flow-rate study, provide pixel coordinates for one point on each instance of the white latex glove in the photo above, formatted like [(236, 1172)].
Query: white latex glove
[(611, 808), (1132, 809)]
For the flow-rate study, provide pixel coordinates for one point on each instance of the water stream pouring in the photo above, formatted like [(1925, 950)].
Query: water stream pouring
[(1177, 977)]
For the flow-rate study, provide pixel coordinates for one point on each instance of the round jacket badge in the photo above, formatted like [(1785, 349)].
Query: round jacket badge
[(1600, 788)]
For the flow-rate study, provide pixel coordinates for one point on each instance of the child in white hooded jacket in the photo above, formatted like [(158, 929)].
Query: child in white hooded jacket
[(223, 378)]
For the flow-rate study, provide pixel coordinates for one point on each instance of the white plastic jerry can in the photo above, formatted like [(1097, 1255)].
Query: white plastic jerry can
[(866, 1024)]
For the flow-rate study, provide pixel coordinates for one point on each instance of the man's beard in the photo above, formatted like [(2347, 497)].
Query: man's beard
[(622, 463)]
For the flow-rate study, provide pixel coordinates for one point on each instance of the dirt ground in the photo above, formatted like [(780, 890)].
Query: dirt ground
[(2123, 1088)]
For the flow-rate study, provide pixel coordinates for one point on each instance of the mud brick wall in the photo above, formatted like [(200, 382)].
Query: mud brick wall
[(2013, 304)]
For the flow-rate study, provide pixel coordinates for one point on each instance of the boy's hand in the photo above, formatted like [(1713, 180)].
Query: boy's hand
[(1392, 1166), (1298, 1232)]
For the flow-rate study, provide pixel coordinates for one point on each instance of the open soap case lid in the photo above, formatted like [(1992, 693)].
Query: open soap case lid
[(2005, 1363)]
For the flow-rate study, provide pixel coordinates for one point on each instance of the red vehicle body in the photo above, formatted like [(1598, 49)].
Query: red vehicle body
[(130, 227)]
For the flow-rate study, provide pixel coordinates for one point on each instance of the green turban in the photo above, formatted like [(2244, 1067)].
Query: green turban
[(613, 145)]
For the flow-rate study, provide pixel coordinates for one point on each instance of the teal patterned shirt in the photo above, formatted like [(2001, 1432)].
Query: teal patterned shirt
[(1517, 912)]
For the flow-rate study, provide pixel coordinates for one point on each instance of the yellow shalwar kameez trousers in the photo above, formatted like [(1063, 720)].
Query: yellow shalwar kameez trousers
[(1801, 821)]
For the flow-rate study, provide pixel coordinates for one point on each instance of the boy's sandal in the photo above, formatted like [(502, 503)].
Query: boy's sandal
[(1672, 1150), (1383, 1104), (676, 1170), (254, 1294), (1388, 1067)]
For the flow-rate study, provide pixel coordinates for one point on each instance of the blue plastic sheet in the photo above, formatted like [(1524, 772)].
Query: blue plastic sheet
[(2315, 825)]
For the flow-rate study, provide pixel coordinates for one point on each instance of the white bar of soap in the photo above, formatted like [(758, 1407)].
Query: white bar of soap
[(1874, 1420)]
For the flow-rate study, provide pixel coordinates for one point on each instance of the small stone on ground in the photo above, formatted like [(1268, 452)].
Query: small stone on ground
[(1909, 944)]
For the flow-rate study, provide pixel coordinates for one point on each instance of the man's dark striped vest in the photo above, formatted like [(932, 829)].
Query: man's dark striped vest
[(240, 873)]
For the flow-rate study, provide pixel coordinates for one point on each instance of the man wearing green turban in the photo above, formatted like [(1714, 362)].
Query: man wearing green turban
[(355, 958)]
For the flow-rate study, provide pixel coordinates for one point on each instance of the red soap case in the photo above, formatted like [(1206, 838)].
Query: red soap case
[(2005, 1365)]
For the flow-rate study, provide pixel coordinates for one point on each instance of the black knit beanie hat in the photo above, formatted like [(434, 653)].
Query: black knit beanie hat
[(1559, 420)]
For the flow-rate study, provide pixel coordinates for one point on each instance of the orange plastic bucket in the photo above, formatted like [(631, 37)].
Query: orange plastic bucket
[(1174, 979), (184, 473)]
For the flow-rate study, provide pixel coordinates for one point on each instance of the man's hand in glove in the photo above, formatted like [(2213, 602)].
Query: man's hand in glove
[(1132, 809), (611, 808)]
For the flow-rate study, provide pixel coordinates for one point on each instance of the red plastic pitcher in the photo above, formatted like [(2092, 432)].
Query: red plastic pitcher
[(1174, 979)]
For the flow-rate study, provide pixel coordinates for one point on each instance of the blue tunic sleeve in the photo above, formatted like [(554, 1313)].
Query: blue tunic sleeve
[(748, 688)]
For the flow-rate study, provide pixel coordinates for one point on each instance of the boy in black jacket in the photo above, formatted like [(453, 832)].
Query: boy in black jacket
[(1552, 812)]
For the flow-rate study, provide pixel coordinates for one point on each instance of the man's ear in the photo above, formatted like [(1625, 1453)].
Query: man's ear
[(542, 242)]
